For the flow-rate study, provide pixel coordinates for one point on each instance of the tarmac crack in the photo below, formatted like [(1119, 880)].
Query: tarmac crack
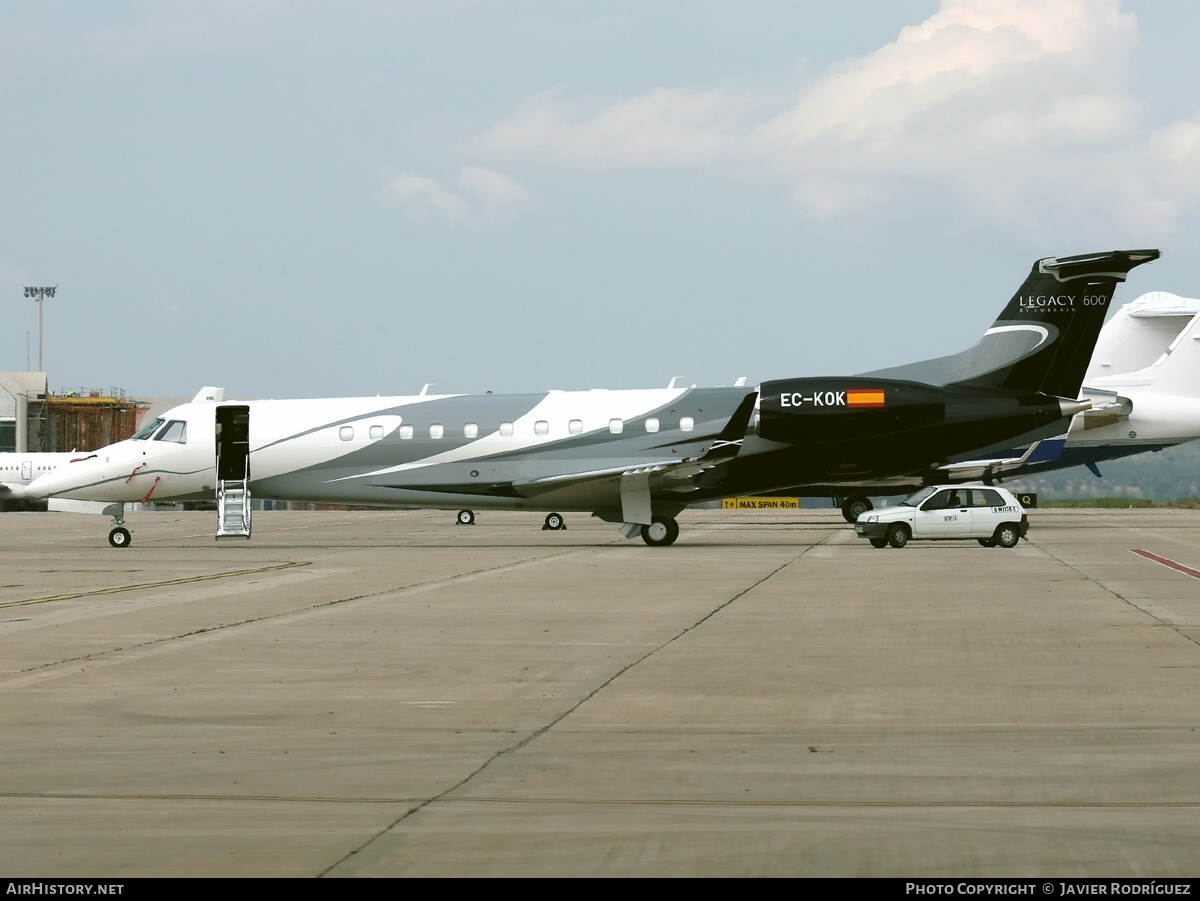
[(447, 795)]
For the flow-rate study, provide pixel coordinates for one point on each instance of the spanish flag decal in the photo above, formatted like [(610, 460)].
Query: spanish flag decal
[(864, 397)]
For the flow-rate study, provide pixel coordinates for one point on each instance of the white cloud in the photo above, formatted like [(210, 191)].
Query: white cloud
[(498, 193), (992, 102), (480, 192), (422, 196)]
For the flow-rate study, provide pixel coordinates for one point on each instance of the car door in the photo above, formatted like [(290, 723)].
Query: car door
[(945, 514), (987, 511)]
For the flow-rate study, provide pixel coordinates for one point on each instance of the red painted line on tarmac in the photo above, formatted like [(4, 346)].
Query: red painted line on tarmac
[(1170, 564)]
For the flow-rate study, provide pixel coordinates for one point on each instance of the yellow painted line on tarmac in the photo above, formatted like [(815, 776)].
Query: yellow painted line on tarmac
[(144, 585)]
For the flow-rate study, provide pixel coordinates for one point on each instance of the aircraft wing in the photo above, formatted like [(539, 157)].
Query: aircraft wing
[(638, 482), (985, 470)]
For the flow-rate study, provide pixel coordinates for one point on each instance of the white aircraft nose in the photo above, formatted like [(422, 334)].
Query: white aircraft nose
[(65, 478)]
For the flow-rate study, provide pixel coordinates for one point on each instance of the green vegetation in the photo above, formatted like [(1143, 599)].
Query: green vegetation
[(1117, 503), (1169, 478)]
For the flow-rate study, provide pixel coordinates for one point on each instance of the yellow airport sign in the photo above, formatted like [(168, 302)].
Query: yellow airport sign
[(760, 503)]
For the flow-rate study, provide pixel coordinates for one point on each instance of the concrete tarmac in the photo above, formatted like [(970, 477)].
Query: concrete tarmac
[(389, 694)]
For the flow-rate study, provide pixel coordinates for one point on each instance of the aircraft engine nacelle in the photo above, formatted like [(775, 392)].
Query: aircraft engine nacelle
[(940, 421)]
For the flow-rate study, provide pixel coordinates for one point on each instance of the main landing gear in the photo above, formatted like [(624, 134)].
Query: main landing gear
[(661, 532), (853, 507), (554, 521)]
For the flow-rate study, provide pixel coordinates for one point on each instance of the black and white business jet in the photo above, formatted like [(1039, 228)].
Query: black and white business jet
[(637, 458)]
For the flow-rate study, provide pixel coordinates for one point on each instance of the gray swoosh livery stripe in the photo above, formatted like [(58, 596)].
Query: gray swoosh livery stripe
[(711, 407)]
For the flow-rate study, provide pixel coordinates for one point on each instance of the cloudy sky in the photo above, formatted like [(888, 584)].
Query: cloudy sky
[(297, 198)]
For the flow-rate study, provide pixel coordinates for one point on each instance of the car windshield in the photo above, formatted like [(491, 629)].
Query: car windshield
[(916, 498), (146, 431)]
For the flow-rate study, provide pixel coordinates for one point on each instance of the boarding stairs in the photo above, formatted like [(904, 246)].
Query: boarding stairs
[(233, 508), (233, 471)]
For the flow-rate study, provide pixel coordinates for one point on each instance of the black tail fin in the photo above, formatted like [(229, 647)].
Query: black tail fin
[(1043, 340)]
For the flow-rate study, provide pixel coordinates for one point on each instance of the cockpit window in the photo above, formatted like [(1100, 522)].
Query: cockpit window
[(146, 431), (176, 431)]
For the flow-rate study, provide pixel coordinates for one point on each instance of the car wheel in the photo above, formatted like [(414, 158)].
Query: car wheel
[(1007, 535), (897, 535), (988, 542), (878, 542)]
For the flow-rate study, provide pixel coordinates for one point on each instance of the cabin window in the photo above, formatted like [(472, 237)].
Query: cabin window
[(616, 426), (506, 429), (541, 427), (376, 432), (575, 426), (176, 431), (346, 433), (652, 424), (406, 432), (436, 430), (471, 430), (686, 424), (146, 431)]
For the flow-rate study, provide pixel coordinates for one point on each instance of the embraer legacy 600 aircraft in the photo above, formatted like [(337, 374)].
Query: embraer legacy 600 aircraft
[(1144, 388), (634, 457)]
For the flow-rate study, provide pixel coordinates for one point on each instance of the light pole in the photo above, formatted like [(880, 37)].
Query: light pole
[(39, 296)]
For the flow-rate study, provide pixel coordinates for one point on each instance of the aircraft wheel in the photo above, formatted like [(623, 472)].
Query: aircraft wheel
[(853, 507), (1007, 535), (988, 542), (879, 542), (465, 518), (119, 537), (554, 522), (660, 533), (897, 536)]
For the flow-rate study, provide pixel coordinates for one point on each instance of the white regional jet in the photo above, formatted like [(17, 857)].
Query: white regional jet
[(17, 470), (633, 457)]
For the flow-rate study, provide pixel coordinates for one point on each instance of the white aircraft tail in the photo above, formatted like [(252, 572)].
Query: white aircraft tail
[(1139, 333), (209, 393), (1175, 372)]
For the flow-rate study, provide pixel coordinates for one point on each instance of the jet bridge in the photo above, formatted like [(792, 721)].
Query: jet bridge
[(233, 471)]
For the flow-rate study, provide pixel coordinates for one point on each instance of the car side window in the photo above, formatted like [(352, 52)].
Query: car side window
[(939, 501), (986, 497)]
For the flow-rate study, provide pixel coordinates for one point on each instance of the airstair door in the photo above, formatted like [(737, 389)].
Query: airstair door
[(233, 471)]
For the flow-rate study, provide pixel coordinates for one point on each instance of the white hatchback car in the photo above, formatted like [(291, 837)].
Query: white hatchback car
[(990, 515)]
